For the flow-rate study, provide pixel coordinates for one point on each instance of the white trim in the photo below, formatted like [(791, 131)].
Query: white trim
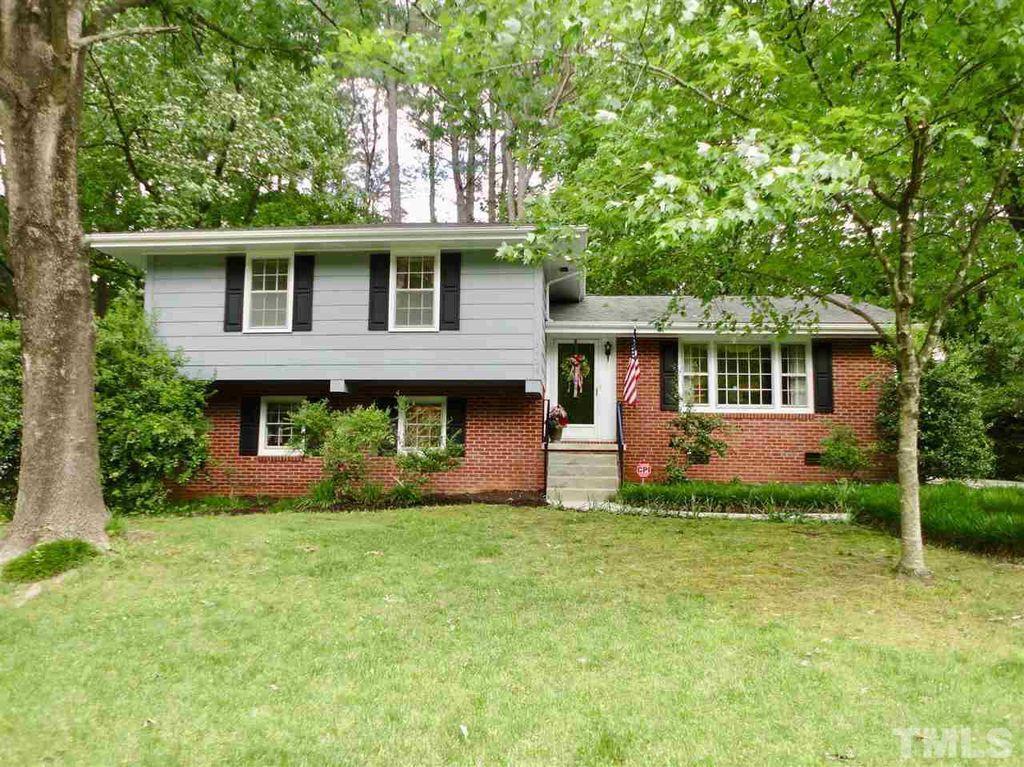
[(393, 291), (340, 238), (776, 357), (423, 401), (247, 298), (265, 449)]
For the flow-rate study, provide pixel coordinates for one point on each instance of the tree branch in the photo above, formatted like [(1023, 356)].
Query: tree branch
[(113, 34), (673, 77), (958, 286), (99, 20)]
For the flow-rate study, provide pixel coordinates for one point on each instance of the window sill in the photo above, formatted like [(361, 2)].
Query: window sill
[(266, 330), (413, 330), (751, 413), (280, 457)]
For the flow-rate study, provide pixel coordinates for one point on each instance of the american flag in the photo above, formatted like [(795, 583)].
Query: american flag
[(632, 374)]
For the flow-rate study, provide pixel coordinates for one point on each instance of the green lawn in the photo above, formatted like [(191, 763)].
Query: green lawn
[(493, 635)]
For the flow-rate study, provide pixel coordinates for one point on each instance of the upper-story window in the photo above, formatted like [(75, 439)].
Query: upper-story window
[(415, 295), (268, 288), (751, 376)]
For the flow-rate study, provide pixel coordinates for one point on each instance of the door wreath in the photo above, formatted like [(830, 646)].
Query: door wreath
[(575, 370)]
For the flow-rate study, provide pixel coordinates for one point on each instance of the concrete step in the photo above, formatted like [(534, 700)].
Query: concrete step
[(582, 447), (583, 459), (578, 499), (602, 484), (562, 477)]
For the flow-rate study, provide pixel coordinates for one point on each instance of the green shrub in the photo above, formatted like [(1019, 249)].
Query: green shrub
[(953, 439), (842, 452), (150, 418), (345, 439), (692, 441), (48, 560), (985, 520)]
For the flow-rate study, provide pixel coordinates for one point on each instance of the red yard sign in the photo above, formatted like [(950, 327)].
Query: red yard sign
[(643, 470)]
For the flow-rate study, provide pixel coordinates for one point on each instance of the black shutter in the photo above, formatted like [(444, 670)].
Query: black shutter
[(380, 275), (451, 279), (302, 301), (821, 358), (670, 375), (390, 406), (249, 426), (457, 420), (234, 293)]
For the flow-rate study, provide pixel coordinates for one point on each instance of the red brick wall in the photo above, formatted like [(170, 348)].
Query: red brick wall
[(763, 447), (503, 445)]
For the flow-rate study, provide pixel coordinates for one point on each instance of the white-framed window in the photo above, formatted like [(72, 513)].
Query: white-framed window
[(693, 367), (268, 293), (423, 424), (276, 429), (749, 376), (415, 300), (794, 370)]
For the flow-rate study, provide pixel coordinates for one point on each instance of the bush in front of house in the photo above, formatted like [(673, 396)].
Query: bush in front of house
[(953, 440), (843, 452), (150, 418), (345, 440), (987, 520), (47, 560)]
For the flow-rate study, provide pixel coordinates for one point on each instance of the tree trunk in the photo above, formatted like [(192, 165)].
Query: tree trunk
[(909, 389), (394, 166), (432, 168), (458, 179), (59, 492), (472, 148), (492, 171)]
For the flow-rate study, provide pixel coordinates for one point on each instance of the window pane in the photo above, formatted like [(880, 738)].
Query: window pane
[(268, 304), (279, 423), (414, 291), (424, 426), (745, 374), (794, 375), (694, 365)]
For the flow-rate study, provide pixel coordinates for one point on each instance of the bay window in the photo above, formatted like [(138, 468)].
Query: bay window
[(761, 376)]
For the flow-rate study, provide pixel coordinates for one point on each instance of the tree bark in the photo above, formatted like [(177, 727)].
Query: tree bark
[(432, 168), (912, 551), (394, 166), (492, 170), (59, 491)]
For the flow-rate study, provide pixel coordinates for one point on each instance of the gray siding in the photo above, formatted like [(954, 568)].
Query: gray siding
[(501, 335)]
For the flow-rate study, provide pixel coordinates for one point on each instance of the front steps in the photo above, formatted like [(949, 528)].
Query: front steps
[(582, 474)]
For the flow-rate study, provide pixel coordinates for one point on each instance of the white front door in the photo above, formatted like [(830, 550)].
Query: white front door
[(591, 409)]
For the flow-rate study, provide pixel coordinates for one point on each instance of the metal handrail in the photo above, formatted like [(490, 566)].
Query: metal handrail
[(619, 436)]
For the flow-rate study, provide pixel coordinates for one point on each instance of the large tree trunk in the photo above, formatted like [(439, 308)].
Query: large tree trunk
[(394, 166), (59, 492)]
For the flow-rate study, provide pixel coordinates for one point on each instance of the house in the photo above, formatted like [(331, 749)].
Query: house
[(358, 314)]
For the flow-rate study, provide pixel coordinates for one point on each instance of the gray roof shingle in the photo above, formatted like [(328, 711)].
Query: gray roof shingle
[(644, 310)]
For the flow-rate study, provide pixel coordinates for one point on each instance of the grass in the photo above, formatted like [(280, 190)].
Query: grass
[(494, 635), (48, 560), (986, 520)]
